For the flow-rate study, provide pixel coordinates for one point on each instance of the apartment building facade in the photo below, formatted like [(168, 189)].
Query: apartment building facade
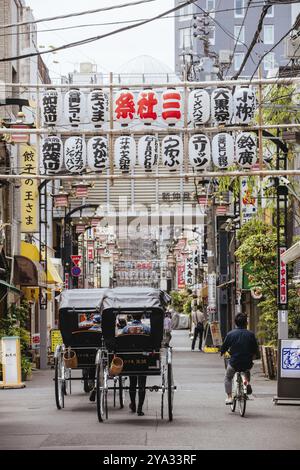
[(230, 26)]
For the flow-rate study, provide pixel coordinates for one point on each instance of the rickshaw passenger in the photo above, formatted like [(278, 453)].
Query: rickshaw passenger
[(137, 327)]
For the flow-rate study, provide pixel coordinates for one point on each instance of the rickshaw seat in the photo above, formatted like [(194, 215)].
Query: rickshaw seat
[(136, 342)]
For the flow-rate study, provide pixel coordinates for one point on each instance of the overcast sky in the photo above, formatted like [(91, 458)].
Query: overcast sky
[(155, 39)]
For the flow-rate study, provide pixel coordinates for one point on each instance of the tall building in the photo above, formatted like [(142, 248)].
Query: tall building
[(230, 28)]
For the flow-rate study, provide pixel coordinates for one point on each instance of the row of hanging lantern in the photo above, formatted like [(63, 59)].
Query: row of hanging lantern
[(221, 107), (76, 156)]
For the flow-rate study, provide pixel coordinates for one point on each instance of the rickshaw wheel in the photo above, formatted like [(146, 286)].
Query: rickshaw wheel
[(85, 375), (101, 388), (163, 389), (59, 383), (170, 392)]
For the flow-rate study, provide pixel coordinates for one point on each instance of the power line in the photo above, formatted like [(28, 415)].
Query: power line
[(71, 15), (264, 12), (97, 38), (237, 40)]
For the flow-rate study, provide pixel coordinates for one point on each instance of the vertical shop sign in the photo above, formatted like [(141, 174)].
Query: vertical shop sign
[(29, 190)]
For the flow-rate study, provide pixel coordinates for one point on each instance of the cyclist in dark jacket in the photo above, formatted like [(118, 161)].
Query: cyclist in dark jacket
[(242, 346)]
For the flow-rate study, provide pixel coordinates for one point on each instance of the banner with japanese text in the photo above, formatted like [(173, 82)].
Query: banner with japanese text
[(29, 190)]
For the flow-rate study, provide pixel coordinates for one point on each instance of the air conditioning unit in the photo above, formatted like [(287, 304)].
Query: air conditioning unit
[(292, 46), (225, 56)]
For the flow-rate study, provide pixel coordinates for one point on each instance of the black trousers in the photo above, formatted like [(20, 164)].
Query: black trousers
[(135, 380), (198, 332)]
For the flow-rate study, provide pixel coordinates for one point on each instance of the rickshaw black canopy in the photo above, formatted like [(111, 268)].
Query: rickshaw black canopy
[(73, 303), (148, 301)]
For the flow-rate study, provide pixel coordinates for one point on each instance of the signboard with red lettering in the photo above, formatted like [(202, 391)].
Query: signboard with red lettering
[(35, 340), (181, 275), (283, 280)]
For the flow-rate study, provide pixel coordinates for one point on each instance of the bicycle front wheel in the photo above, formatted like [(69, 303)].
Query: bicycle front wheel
[(233, 405)]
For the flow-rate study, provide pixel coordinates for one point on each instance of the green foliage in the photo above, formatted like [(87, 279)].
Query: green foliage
[(181, 301), (14, 324), (259, 250), (277, 105)]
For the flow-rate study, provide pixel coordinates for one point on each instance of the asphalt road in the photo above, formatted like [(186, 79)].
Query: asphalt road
[(29, 418)]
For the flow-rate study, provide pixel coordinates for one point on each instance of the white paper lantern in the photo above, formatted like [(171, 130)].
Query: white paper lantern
[(223, 150), (244, 105), (172, 152), (51, 107), (75, 154), (52, 155), (147, 106), (124, 107), (171, 106), (75, 107), (98, 159), (148, 152), (199, 107), (98, 106), (199, 151), (222, 105), (125, 153), (246, 149)]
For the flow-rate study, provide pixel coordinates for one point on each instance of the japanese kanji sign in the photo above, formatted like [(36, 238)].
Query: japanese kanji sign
[(75, 154), (75, 107), (98, 106), (246, 149), (222, 105), (223, 150), (172, 152), (283, 280), (147, 106), (199, 151), (199, 107), (244, 105), (148, 152), (51, 107), (98, 154), (29, 190), (52, 155), (172, 106), (124, 107), (125, 153)]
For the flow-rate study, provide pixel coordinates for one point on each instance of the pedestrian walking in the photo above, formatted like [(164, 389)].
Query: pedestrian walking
[(198, 322)]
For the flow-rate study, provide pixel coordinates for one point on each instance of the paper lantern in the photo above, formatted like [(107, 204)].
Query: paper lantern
[(125, 153), (147, 105), (223, 150), (199, 107), (51, 107), (148, 152), (74, 107), (75, 154), (199, 152), (171, 106), (124, 109), (222, 105), (98, 159), (244, 105), (98, 106), (172, 152), (52, 155), (246, 149)]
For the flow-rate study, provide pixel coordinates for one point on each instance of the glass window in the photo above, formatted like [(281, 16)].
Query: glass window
[(239, 10), (268, 34), (270, 13), (185, 38), (238, 59), (210, 7), (239, 32), (185, 12), (269, 61)]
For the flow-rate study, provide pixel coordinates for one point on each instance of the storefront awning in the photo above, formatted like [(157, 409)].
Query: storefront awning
[(32, 252), (10, 287), (28, 273)]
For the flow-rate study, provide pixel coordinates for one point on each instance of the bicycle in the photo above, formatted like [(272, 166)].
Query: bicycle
[(239, 392)]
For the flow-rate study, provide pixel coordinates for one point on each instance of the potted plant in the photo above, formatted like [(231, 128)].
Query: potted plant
[(26, 368)]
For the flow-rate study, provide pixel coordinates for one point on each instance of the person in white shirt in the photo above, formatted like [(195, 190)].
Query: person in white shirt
[(198, 322)]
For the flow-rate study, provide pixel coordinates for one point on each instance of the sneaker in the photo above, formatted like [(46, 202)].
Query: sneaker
[(228, 401), (132, 406), (249, 389)]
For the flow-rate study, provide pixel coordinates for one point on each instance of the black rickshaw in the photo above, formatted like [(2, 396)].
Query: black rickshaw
[(140, 354), (80, 326)]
